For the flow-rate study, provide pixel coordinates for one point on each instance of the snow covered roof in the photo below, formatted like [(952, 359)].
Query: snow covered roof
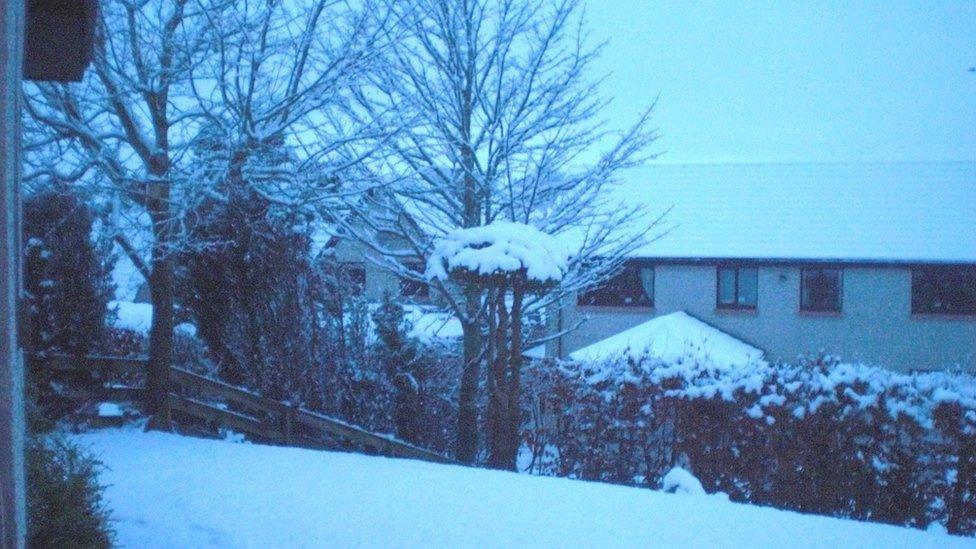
[(673, 337), (429, 324), (899, 212)]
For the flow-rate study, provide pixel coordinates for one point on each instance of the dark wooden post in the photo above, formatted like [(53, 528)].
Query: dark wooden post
[(287, 424)]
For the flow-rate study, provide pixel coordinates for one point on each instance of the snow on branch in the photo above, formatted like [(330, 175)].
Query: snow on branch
[(500, 252)]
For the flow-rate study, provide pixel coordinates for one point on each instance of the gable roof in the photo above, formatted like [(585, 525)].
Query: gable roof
[(900, 212), (673, 337)]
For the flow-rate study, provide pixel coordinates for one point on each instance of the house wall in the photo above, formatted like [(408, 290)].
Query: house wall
[(378, 279), (875, 325)]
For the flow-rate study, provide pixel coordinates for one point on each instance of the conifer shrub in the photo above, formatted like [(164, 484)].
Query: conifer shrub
[(68, 286), (65, 505)]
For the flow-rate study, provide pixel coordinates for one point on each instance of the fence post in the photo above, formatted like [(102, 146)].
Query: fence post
[(287, 419)]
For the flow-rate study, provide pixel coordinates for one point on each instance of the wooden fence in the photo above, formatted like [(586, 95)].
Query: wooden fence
[(217, 403)]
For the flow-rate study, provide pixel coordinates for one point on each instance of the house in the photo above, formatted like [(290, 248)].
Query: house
[(873, 263), (870, 262)]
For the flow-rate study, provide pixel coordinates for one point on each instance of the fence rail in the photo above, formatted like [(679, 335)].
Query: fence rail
[(242, 410)]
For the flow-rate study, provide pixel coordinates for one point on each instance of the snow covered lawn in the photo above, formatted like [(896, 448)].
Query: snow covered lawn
[(171, 491)]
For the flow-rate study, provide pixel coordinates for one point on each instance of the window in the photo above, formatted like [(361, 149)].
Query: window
[(633, 286), (948, 290), (415, 290), (738, 287), (820, 290), (353, 278)]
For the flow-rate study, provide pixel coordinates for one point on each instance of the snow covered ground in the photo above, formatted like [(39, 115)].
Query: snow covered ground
[(171, 491)]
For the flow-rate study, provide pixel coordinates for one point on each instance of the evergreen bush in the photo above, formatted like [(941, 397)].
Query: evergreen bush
[(65, 506)]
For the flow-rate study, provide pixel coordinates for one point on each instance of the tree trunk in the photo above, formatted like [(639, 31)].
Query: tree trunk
[(467, 438), (500, 452), (467, 441), (161, 285), (514, 387)]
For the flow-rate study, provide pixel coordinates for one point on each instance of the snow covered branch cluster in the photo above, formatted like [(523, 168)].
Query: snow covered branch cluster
[(501, 250), (817, 436)]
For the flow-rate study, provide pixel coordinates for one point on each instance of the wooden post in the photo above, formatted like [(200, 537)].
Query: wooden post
[(287, 424), (13, 523)]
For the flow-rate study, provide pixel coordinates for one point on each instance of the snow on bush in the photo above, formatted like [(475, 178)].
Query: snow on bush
[(681, 481), (818, 436), (501, 249)]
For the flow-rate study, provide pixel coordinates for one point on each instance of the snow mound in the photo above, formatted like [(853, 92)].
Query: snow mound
[(681, 481), (498, 249), (674, 337), (169, 491), (109, 409)]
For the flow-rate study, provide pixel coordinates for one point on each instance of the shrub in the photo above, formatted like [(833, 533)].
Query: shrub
[(399, 358), (389, 381), (818, 436), (123, 342), (68, 284), (254, 296), (64, 499), (67, 275), (190, 353)]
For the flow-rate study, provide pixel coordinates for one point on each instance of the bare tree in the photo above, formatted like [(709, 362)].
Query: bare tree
[(282, 74), (250, 76), (123, 121), (499, 116)]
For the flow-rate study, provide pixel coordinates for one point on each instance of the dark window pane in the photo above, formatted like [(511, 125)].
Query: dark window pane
[(647, 283), (417, 290), (748, 289), (726, 287), (738, 287), (353, 278), (944, 290), (820, 290), (633, 286)]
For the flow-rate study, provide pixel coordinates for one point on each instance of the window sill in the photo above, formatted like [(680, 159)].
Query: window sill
[(963, 317), (636, 309), (822, 314), (737, 311)]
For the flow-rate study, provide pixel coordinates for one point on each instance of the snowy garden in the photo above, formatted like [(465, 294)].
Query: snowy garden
[(217, 203)]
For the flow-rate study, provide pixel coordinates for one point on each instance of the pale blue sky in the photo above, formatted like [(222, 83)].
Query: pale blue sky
[(860, 81)]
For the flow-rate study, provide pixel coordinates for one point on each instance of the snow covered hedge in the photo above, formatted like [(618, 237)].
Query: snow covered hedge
[(818, 436)]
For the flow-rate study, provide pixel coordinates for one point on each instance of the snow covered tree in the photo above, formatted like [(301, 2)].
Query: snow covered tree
[(254, 74), (499, 118), (123, 122), (282, 77), (509, 261)]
